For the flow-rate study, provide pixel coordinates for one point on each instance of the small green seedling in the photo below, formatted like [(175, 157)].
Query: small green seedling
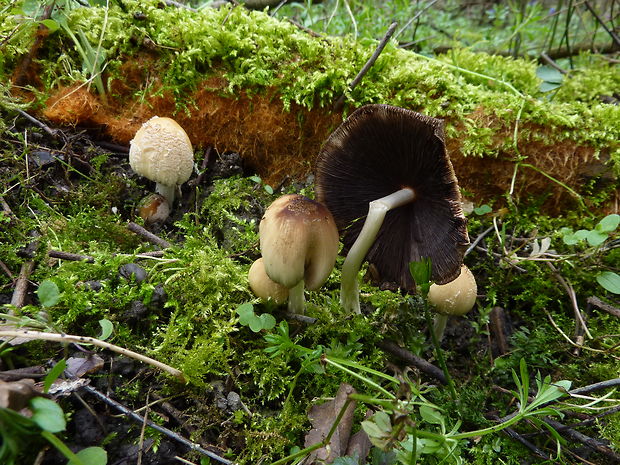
[(256, 323), (594, 237), (551, 78), (258, 180)]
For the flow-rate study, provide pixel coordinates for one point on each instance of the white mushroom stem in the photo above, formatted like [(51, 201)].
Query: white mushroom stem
[(439, 325), (349, 291), (296, 298), (168, 192)]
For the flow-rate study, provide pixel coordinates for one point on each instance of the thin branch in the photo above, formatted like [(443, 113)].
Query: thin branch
[(18, 298), (547, 59), (171, 434), (573, 299), (65, 338), (340, 102), (611, 33), (70, 256), (596, 386), (414, 360), (592, 443), (598, 303), (481, 236), (149, 236)]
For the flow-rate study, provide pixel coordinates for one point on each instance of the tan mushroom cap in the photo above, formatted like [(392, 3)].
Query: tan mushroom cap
[(298, 240), (456, 297), (162, 152), (262, 286)]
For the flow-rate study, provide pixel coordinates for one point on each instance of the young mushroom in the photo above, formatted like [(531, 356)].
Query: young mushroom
[(162, 152), (299, 244), (390, 165), (454, 298), (262, 286)]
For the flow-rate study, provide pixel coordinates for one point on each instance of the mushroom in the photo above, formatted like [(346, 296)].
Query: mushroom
[(299, 244), (262, 286), (454, 298), (390, 165), (154, 209), (162, 152)]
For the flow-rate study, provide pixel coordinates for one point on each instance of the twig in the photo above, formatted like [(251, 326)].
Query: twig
[(595, 386), (517, 437), (340, 102), (413, 359), (149, 236), (6, 270), (592, 443), (611, 33), (417, 15), (547, 59), (52, 132), (598, 303), (302, 318), (55, 337), (143, 430), (161, 429), (573, 299), (481, 236), (70, 256), (21, 286), (203, 168), (304, 28)]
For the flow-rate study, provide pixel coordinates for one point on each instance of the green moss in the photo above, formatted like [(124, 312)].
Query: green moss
[(256, 52)]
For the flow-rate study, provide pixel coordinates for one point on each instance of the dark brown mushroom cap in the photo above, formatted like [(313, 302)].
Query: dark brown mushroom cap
[(378, 150)]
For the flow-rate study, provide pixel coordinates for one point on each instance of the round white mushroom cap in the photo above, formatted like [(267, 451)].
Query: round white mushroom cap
[(262, 286), (162, 152), (456, 297)]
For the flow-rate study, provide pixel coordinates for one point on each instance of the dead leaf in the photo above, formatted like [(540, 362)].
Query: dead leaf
[(79, 366), (16, 394), (322, 418)]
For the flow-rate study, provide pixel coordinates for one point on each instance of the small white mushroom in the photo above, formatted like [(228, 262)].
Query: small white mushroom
[(162, 152), (299, 244), (154, 209), (454, 298), (262, 286)]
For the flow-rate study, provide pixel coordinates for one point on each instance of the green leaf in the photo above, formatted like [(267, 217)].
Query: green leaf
[(52, 25), (255, 323), (609, 280), (268, 189), (595, 238), (267, 321), (54, 374), (431, 415), (107, 328), (582, 234), (246, 313), (47, 414), (421, 273), (609, 223), (48, 293), (570, 239), (482, 210), (256, 179), (548, 86), (92, 456), (549, 74)]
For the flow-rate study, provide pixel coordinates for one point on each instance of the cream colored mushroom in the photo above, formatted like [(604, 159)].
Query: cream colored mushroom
[(454, 298), (162, 152), (262, 286), (299, 244)]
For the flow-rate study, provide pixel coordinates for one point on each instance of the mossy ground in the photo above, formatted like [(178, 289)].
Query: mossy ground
[(266, 74)]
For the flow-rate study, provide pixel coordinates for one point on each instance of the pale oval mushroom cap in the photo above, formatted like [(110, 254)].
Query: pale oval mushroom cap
[(262, 286), (162, 152), (456, 297), (298, 240)]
